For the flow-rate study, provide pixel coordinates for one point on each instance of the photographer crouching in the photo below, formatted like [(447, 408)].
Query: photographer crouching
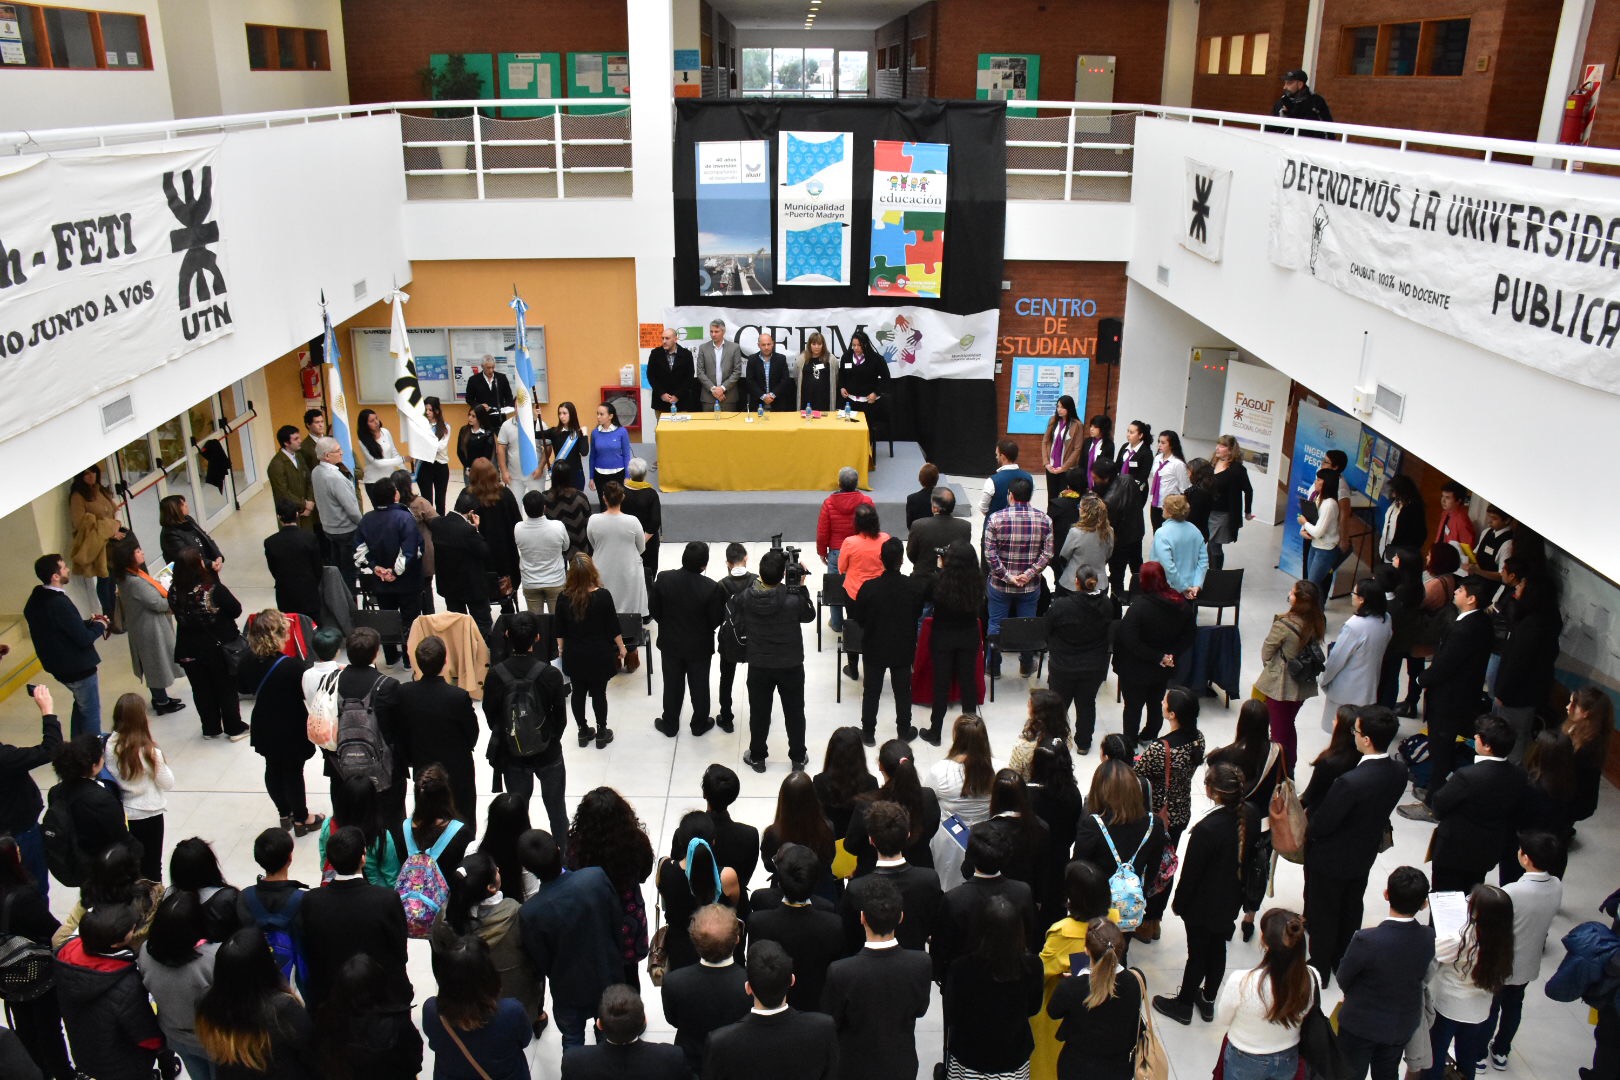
[(767, 616)]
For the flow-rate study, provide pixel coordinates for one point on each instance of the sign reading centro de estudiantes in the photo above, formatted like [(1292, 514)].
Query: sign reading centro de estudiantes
[(1533, 275), (110, 266)]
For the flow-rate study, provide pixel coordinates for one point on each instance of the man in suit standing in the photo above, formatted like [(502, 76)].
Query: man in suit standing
[(774, 1039), (437, 725), (293, 556), (65, 642), (719, 370), (688, 608), (876, 996), (888, 608), (812, 936), (1479, 809), (928, 536), (1343, 837), (1452, 684), (486, 386), (673, 375), (389, 557), (461, 561), (704, 997), (289, 478), (315, 430), (1382, 977), (888, 825), (570, 933), (957, 934), (768, 380), (350, 916), (621, 1055)]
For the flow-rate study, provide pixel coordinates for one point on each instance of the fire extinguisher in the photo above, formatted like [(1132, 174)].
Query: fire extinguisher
[(1577, 115), (310, 374)]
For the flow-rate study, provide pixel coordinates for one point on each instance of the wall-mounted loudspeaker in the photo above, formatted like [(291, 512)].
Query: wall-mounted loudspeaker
[(1108, 335)]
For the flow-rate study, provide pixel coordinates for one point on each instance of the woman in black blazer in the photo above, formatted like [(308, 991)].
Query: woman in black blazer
[(955, 640), (1099, 1024), (1406, 522), (180, 531), (1209, 891), (1232, 499), (989, 996), (280, 719), (1099, 444), (205, 615), (1158, 627)]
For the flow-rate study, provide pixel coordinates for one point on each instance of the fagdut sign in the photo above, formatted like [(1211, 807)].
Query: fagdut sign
[(109, 267)]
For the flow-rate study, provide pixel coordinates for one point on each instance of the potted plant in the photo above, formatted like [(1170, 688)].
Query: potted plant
[(455, 81)]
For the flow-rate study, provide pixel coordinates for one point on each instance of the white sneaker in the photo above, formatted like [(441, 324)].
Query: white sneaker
[(1499, 1062)]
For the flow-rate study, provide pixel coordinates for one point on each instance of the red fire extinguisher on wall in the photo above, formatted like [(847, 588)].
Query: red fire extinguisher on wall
[(310, 375), (1578, 114)]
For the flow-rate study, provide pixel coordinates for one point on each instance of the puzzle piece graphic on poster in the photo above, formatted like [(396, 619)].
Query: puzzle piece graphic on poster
[(923, 280), (886, 280), (889, 156), (927, 224), (893, 217), (815, 252), (806, 158), (926, 157), (889, 242), (927, 252)]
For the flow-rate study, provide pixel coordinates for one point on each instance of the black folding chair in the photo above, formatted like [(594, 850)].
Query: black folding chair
[(848, 643), (389, 624), (830, 595), (1020, 636), (1222, 589), (633, 633)]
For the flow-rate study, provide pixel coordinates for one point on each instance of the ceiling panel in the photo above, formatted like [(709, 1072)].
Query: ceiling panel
[(832, 14)]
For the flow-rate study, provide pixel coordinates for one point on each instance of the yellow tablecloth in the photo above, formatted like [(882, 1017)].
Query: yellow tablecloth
[(734, 452)]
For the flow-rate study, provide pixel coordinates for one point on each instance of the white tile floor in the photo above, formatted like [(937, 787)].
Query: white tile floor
[(221, 798)]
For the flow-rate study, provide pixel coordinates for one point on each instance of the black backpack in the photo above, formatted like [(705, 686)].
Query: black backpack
[(523, 720), (733, 635), (25, 964), (66, 860)]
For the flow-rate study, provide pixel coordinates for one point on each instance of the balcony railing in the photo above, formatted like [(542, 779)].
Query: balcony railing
[(558, 155)]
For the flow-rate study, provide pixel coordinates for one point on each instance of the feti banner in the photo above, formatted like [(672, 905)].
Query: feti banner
[(109, 267), (814, 203), (734, 218), (918, 342), (1036, 387), (1255, 413), (1208, 191), (1317, 432), (908, 219), (1531, 274)]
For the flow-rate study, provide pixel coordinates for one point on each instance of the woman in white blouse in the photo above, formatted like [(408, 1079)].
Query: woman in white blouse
[(962, 782), (433, 477), (143, 775), (378, 458), (1262, 1008), (1322, 535), (1470, 965), (1168, 477)]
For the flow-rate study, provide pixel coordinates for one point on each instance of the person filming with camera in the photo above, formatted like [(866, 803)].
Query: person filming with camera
[(767, 616)]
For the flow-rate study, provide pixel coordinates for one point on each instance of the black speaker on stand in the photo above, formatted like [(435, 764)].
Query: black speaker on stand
[(1109, 332)]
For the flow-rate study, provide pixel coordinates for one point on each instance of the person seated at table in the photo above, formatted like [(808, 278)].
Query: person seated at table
[(768, 380)]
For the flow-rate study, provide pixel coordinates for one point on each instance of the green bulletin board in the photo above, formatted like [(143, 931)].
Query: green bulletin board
[(483, 64), (529, 75), (1009, 77), (599, 75)]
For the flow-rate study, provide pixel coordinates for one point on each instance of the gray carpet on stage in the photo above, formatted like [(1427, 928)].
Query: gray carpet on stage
[(748, 516)]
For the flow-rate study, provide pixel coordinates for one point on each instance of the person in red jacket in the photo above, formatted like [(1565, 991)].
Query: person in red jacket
[(836, 524)]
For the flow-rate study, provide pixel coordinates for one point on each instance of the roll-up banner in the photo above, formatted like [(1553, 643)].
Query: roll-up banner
[(1316, 431), (734, 218), (814, 201), (908, 219)]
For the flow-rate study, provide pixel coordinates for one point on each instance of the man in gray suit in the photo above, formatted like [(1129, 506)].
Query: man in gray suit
[(720, 369)]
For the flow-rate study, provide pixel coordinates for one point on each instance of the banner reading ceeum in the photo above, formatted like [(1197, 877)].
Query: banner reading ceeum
[(110, 266)]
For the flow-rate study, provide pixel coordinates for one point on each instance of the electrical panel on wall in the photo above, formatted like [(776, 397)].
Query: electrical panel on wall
[(1094, 81)]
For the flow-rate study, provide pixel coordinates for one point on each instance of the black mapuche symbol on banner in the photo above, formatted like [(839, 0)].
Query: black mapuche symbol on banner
[(1203, 188), (199, 269)]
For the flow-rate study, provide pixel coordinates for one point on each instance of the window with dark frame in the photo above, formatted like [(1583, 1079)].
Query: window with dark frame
[(1448, 48), (287, 48), (1361, 50), (75, 39), (1435, 48)]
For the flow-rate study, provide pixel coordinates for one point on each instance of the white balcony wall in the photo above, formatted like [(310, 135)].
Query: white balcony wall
[(36, 99), (1511, 433), (330, 222), (210, 73)]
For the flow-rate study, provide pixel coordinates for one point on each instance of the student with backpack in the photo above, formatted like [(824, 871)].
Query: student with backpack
[(347, 917), (194, 868), (82, 818), (355, 802), (273, 902), (478, 905), (435, 841), (732, 647), (437, 726), (26, 926), (177, 967), (367, 729), (1117, 821), (525, 709)]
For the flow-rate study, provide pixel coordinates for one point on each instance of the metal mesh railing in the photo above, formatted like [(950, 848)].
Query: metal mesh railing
[(1083, 153), (551, 156)]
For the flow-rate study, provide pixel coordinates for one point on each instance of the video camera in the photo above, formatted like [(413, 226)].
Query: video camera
[(794, 574)]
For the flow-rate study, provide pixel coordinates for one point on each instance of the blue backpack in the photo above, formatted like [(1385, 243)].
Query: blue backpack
[(278, 932), (1125, 884)]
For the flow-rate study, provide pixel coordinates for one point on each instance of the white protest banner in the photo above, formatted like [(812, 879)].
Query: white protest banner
[(918, 342), (1531, 274), (110, 266), (1207, 193), (814, 201)]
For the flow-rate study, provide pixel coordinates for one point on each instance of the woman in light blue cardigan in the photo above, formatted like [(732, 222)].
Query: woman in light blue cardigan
[(1179, 547), (1357, 656)]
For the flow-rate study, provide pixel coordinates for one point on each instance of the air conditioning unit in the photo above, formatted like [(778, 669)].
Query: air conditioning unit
[(1390, 401)]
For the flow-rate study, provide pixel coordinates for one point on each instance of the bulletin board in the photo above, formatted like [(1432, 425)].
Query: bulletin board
[(446, 357), (599, 75), (1009, 77), (1036, 386), (529, 75), (481, 64)]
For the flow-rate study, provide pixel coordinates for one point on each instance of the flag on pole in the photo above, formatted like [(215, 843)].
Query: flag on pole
[(339, 404), (528, 458), (413, 420)]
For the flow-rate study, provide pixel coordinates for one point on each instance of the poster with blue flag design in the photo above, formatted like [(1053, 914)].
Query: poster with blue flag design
[(814, 205)]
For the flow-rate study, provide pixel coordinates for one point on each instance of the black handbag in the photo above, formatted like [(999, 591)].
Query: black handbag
[(235, 651), (1319, 1044)]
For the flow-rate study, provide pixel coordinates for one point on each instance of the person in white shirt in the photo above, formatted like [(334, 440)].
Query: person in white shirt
[(1322, 535), (1536, 898), (1168, 476), (143, 775), (542, 545), (1261, 1008), (326, 643), (509, 459), (379, 457), (1472, 964), (433, 474)]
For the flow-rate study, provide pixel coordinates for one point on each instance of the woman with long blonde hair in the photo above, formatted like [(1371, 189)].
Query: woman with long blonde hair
[(1292, 632), (143, 775), (1089, 543), (590, 643), (1099, 1009), (249, 1021), (280, 719)]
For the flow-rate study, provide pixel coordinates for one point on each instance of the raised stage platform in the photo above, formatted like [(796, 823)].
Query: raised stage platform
[(751, 516)]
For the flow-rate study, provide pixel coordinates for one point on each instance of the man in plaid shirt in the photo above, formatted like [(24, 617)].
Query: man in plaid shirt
[(1018, 545)]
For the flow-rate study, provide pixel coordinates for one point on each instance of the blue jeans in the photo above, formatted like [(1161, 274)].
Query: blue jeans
[(572, 1020), (1470, 1039), (1319, 565), (31, 846), (86, 718), (835, 617), (1242, 1065), (1005, 605)]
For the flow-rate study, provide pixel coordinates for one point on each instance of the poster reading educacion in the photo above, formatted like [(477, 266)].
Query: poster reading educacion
[(908, 219), (814, 205)]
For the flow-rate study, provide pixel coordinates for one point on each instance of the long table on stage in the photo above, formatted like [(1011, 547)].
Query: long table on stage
[(738, 452)]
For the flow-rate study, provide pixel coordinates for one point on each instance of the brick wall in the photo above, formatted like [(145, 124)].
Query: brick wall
[(905, 81), (389, 41), (1283, 20), (1519, 84), (1038, 335), (1059, 31)]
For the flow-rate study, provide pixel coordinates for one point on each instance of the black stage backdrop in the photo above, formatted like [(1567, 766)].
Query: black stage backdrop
[(953, 419)]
